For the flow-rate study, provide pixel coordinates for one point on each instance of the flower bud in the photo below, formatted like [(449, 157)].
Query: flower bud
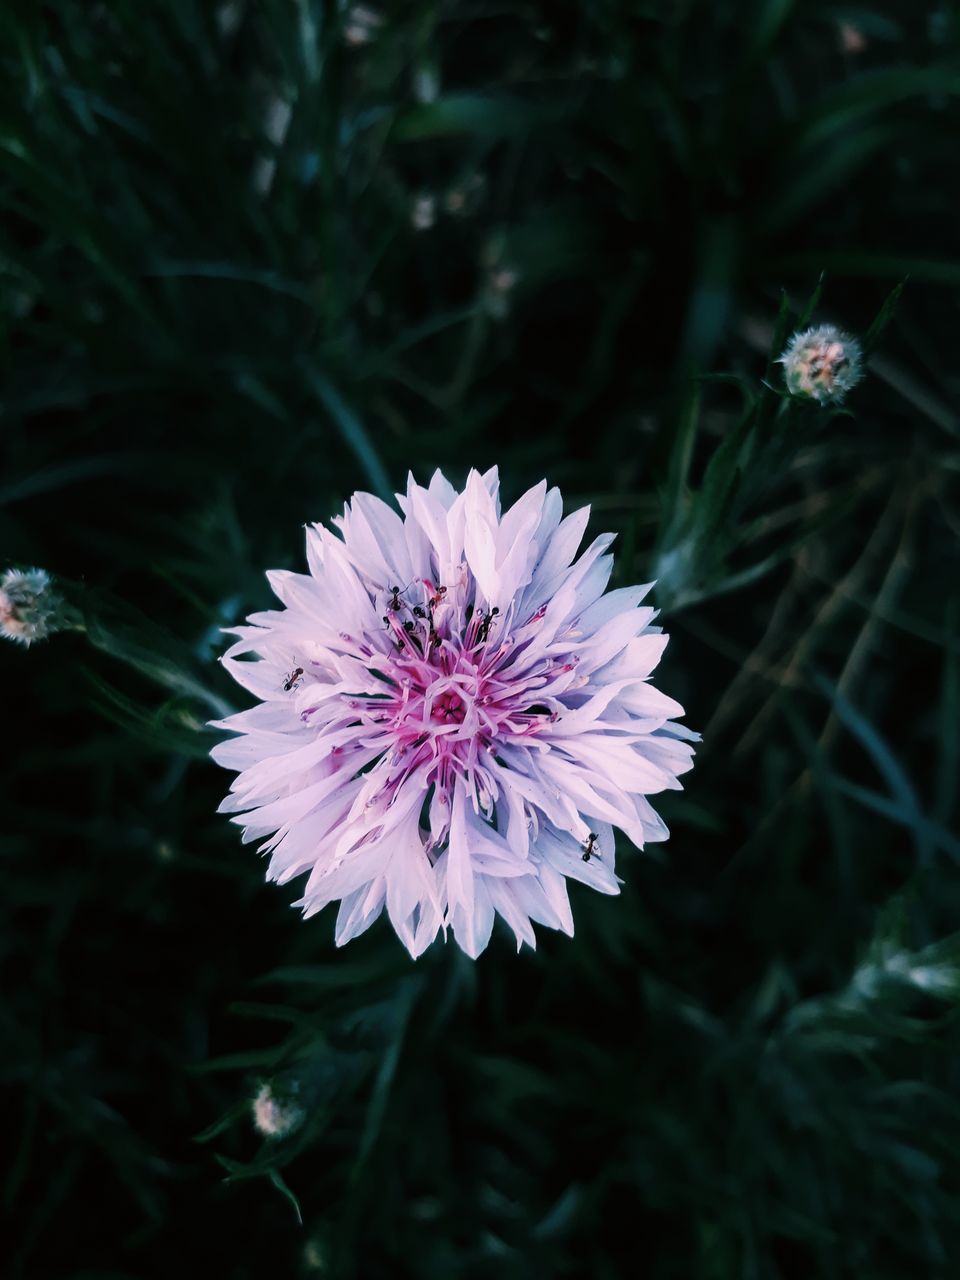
[(424, 212), (362, 25), (822, 363), (30, 609), (276, 1113)]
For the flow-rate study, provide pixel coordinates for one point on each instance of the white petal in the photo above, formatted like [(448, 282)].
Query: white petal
[(505, 903), (558, 553), (460, 877), (480, 549), (358, 911), (623, 600), (565, 855), (472, 928)]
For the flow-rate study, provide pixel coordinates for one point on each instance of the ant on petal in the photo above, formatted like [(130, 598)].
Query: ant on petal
[(395, 604), (434, 594), (588, 847), (484, 628)]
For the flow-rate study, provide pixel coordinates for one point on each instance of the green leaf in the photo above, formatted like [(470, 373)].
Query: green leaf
[(277, 1179), (400, 1011), (932, 833), (873, 335), (351, 429), (948, 764), (870, 92), (245, 1060), (338, 975), (226, 1121), (485, 115), (906, 802)]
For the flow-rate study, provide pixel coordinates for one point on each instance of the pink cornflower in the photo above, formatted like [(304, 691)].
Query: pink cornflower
[(453, 717)]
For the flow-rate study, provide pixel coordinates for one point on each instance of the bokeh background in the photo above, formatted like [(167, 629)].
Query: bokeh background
[(257, 255)]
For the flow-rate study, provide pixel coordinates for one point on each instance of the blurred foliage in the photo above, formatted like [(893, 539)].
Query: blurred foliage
[(257, 255)]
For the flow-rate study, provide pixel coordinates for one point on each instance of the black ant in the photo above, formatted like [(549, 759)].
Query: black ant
[(407, 626), (293, 679), (588, 847), (394, 604), (485, 622), (434, 599)]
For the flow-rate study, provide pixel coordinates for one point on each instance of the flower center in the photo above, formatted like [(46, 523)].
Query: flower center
[(449, 708), (453, 680), (436, 709)]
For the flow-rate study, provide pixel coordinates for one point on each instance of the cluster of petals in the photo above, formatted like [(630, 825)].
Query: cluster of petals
[(453, 716)]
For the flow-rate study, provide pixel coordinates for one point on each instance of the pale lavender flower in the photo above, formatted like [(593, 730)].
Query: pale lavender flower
[(454, 717)]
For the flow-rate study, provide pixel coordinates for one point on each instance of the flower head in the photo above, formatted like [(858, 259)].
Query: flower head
[(275, 1111), (822, 363), (453, 717), (29, 606)]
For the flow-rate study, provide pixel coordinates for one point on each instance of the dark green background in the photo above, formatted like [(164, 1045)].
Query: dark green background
[(215, 330)]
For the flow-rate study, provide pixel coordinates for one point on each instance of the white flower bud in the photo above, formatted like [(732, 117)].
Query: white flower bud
[(30, 609), (822, 363), (424, 212), (275, 1111), (362, 25)]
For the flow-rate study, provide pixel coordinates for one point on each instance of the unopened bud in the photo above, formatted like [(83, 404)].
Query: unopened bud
[(499, 286), (426, 83), (362, 24), (315, 1256), (822, 363), (463, 198), (276, 1113), (852, 39), (30, 609), (424, 212)]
